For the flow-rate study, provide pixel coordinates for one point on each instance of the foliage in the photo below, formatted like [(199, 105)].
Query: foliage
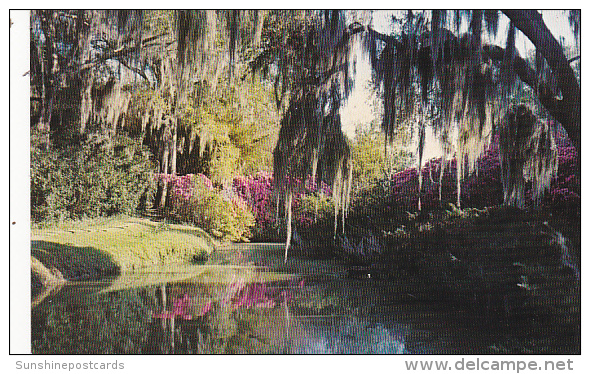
[(309, 57), (221, 213), (257, 191), (370, 161), (229, 214), (101, 177), (90, 249), (482, 188), (86, 65), (312, 208), (221, 133), (111, 323), (236, 129)]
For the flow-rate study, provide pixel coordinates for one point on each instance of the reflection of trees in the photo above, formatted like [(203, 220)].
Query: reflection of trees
[(227, 318), (232, 317), (235, 317), (245, 318), (80, 322), (338, 335)]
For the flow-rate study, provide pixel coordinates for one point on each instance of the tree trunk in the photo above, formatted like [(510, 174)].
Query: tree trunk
[(289, 207), (174, 153), (50, 70), (86, 76), (567, 110), (164, 170)]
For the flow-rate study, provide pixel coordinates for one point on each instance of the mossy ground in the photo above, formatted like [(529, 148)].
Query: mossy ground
[(89, 249)]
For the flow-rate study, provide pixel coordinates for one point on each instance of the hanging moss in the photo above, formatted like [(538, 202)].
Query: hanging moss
[(311, 142), (527, 154), (431, 76)]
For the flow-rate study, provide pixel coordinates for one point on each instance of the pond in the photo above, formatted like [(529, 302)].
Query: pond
[(245, 300)]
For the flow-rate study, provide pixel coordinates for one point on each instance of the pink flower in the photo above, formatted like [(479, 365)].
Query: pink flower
[(178, 309), (205, 309)]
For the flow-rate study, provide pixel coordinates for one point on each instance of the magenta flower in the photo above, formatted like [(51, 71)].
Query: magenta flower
[(179, 309), (205, 309)]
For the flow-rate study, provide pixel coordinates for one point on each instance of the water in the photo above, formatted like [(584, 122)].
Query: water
[(248, 301)]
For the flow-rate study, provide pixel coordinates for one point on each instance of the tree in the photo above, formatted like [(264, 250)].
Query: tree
[(87, 64), (71, 81), (93, 61), (428, 74), (566, 109), (309, 53), (431, 75)]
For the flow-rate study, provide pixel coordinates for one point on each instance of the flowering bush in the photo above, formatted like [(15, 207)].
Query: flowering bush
[(194, 199), (483, 187), (257, 191), (182, 188), (565, 189)]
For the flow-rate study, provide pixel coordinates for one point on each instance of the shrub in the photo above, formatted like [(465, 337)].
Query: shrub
[(370, 161), (308, 209), (194, 200), (257, 191), (480, 189), (99, 177)]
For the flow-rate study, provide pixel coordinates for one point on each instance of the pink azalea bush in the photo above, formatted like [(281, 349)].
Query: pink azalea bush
[(482, 187), (257, 191), (249, 204), (193, 199), (183, 187)]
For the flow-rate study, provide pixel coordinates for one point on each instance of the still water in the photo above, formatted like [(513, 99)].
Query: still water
[(247, 301)]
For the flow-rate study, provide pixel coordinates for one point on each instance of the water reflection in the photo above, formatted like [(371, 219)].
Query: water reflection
[(242, 309), (346, 335)]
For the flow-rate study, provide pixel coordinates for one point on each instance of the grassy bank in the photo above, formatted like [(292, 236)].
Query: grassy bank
[(90, 249)]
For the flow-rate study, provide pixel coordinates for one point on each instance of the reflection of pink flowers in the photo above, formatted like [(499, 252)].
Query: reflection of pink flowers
[(179, 309), (254, 296), (205, 309), (258, 295), (242, 295)]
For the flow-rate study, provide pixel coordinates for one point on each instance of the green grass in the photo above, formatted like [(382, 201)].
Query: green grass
[(125, 242)]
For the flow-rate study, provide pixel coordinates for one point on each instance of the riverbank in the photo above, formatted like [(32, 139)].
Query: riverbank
[(516, 267), (92, 249)]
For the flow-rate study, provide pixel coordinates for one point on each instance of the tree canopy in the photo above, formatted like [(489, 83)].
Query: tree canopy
[(88, 67)]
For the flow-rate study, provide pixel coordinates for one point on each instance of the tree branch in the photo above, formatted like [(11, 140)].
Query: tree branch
[(573, 59), (531, 24), (528, 76)]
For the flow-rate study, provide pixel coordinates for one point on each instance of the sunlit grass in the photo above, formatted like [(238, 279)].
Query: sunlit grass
[(130, 242)]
